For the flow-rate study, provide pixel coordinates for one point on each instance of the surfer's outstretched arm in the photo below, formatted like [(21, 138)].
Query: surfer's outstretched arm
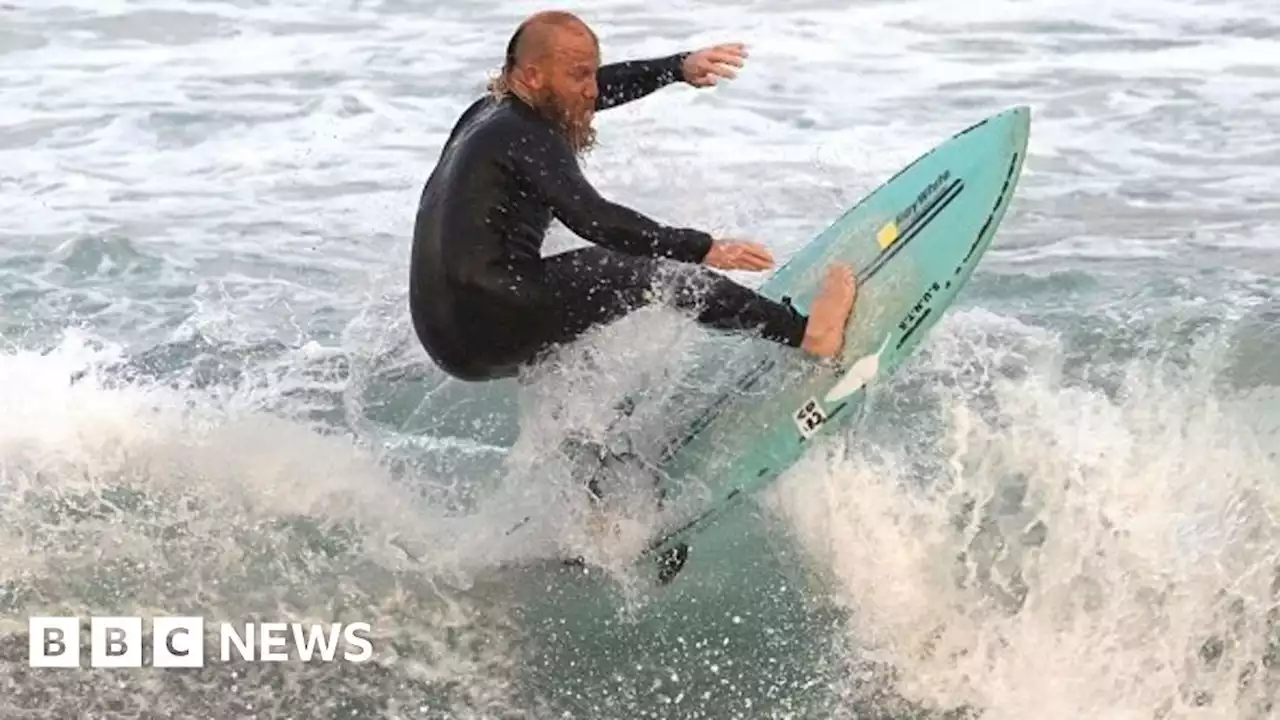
[(620, 83), (550, 166)]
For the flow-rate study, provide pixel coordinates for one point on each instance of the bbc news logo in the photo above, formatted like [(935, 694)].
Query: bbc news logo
[(179, 642)]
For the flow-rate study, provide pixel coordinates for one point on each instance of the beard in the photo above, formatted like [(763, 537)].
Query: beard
[(572, 120)]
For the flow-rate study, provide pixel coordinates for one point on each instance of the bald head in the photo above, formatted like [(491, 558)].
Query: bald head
[(551, 64), (542, 33)]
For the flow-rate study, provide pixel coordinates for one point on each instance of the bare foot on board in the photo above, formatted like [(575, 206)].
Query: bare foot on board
[(824, 334)]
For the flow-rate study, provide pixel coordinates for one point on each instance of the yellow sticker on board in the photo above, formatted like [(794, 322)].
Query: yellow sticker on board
[(887, 234)]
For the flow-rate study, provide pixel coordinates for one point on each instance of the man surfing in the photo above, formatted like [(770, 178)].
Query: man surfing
[(485, 302)]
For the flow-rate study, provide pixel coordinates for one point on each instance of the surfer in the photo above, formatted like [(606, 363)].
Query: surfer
[(483, 300)]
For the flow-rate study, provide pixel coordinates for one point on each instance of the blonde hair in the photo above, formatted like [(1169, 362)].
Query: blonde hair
[(497, 85)]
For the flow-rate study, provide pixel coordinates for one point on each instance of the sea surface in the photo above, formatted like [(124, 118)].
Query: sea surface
[(211, 402)]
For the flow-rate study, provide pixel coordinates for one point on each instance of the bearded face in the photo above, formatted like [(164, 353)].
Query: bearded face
[(558, 79), (571, 113)]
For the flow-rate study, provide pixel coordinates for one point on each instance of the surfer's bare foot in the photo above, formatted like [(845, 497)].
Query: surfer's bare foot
[(824, 334)]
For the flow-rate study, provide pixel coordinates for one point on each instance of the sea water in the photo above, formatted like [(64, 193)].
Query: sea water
[(212, 403)]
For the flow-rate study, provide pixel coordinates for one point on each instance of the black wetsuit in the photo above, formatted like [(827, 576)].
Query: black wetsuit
[(485, 302)]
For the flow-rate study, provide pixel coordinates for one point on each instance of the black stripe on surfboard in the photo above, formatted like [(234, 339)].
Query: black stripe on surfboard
[(1004, 189), (932, 211), (930, 154), (655, 544), (744, 383), (971, 128), (986, 226), (922, 216), (938, 147), (724, 504)]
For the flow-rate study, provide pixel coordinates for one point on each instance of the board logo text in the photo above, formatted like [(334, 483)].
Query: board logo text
[(919, 308), (922, 201)]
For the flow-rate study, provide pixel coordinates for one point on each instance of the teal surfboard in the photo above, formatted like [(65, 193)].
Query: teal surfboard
[(913, 244)]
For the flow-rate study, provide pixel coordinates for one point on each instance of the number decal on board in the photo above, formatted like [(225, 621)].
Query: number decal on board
[(809, 418)]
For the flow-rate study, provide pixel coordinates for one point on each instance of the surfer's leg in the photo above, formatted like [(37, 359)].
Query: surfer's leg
[(721, 303), (597, 286), (724, 304)]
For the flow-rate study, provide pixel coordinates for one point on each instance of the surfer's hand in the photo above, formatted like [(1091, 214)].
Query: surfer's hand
[(701, 67), (738, 255)]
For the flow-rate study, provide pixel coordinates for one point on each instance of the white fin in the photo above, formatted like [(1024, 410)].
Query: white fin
[(857, 376)]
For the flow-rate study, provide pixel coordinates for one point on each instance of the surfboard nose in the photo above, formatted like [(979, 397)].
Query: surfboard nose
[(1021, 115), (1018, 120)]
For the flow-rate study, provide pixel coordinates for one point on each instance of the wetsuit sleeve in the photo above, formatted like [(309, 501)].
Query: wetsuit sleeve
[(555, 174), (620, 83)]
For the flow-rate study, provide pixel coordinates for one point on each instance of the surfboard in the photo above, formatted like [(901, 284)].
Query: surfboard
[(914, 243)]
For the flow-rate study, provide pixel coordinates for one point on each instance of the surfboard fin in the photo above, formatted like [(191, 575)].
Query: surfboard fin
[(859, 375), (671, 562)]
